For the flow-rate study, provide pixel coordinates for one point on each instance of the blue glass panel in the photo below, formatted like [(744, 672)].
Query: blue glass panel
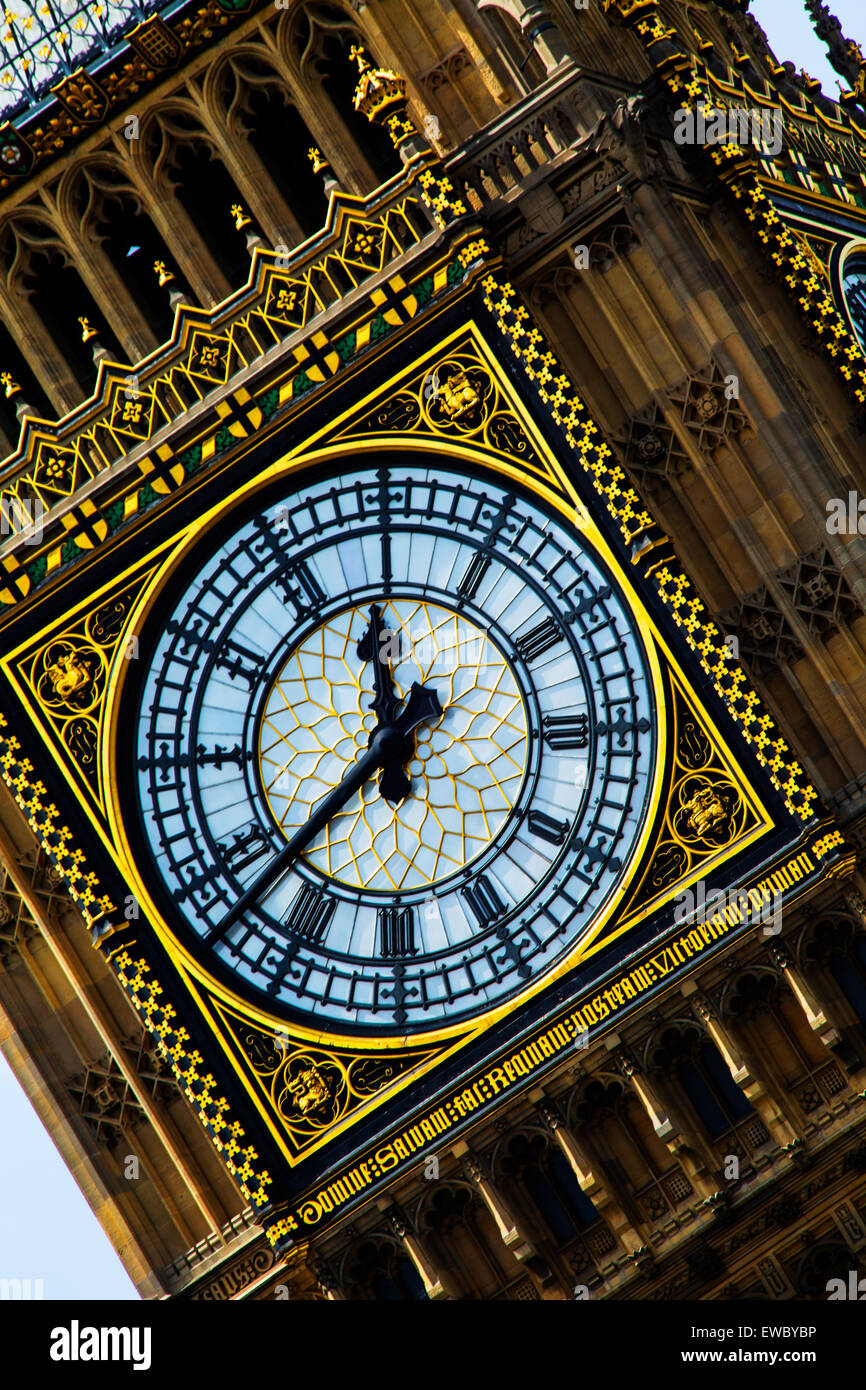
[(702, 1098), (541, 1191), (851, 982), (726, 1088), (412, 1280), (854, 289), (575, 1197)]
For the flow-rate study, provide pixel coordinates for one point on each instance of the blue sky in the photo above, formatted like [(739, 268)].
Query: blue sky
[(793, 39), (47, 1230)]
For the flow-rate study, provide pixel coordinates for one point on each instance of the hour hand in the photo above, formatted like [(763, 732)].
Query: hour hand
[(421, 706)]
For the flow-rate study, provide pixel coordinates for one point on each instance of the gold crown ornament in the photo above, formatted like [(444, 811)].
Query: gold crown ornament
[(379, 90)]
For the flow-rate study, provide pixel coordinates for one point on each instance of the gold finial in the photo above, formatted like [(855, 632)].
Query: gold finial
[(87, 329), (379, 92), (317, 159), (241, 220), (163, 274), (10, 387), (358, 54)]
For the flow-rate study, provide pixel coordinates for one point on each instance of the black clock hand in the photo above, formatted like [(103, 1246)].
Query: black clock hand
[(386, 701), (394, 784), (387, 743)]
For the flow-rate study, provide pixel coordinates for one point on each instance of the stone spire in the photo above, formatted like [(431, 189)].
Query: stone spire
[(845, 55)]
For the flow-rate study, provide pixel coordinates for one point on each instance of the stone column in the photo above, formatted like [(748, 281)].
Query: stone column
[(506, 1222), (662, 1123), (806, 993), (45, 360), (541, 31), (326, 1277), (752, 1087), (591, 1184), (400, 1226)]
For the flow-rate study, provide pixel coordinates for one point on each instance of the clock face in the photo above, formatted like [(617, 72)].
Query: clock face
[(854, 290), (393, 748)]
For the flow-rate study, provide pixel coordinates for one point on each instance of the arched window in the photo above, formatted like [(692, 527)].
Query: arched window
[(131, 243), (849, 972), (542, 1171), (254, 97), (13, 361), (465, 1241), (178, 152), (712, 1090), (703, 1074), (202, 182), (379, 1271), (836, 946), (59, 297), (323, 39)]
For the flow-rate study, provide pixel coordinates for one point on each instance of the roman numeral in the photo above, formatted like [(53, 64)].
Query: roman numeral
[(546, 828), (396, 932), (309, 913), (539, 640), (237, 660), (483, 900), (297, 581), (475, 572), (566, 730), (306, 593), (245, 849)]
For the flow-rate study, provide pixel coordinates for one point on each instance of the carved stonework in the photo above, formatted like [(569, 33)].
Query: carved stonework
[(819, 593), (549, 1115), (707, 407), (845, 54), (475, 1168), (764, 634), (446, 72), (234, 1277), (813, 588), (398, 1223), (701, 403), (857, 903), (610, 243), (325, 1275), (625, 1062), (705, 811), (105, 1101)]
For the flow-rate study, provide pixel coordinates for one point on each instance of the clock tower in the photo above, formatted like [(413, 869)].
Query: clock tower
[(433, 646)]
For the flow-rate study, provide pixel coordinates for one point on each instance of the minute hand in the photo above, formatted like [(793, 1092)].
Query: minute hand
[(387, 742), (386, 701)]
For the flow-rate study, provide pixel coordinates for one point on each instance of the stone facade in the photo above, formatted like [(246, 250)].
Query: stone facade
[(717, 1148)]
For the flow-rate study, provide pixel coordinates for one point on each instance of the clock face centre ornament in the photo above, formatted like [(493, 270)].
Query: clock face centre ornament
[(466, 770)]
